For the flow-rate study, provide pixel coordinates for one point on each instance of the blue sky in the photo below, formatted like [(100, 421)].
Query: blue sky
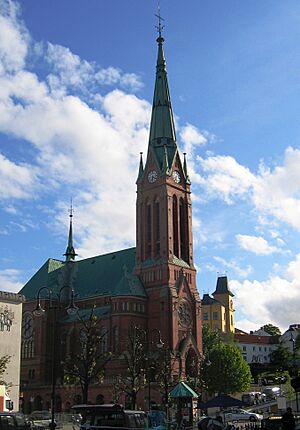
[(76, 85)]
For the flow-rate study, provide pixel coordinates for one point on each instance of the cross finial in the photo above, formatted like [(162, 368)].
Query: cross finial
[(159, 27)]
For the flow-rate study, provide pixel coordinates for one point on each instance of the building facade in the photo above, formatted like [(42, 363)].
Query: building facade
[(256, 348), (218, 310), (10, 341), (151, 286)]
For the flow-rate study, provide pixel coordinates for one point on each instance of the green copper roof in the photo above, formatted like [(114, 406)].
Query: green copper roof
[(108, 274), (182, 389), (162, 137)]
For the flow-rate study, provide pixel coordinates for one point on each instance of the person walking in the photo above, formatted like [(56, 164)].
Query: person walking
[(288, 420)]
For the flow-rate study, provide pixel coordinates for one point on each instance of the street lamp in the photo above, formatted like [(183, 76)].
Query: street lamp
[(39, 311), (293, 340)]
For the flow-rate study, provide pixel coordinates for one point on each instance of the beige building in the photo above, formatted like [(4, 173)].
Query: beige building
[(218, 310), (10, 341)]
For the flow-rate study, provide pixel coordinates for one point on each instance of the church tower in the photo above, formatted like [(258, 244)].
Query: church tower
[(164, 242)]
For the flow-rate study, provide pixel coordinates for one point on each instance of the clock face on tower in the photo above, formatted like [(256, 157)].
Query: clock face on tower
[(152, 176), (176, 176)]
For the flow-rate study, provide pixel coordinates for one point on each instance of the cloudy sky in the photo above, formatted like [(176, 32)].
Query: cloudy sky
[(76, 85)]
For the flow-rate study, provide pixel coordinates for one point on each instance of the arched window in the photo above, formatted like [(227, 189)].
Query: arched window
[(175, 227), (103, 340), (183, 230), (115, 338), (157, 227), (148, 230)]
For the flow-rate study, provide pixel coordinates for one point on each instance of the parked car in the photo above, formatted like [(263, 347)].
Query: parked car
[(271, 392), (13, 420), (40, 419), (241, 415), (102, 417), (253, 398)]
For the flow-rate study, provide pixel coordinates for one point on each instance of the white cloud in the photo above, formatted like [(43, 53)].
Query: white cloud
[(14, 38), (277, 192), (256, 244), (274, 193), (69, 70), (75, 145), (9, 280), (233, 266), (16, 181), (274, 300), (224, 178)]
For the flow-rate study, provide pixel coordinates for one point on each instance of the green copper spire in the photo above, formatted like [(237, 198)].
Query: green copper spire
[(162, 129), (141, 169), (70, 253)]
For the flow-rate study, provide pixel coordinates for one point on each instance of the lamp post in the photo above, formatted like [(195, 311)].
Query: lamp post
[(293, 340), (54, 304)]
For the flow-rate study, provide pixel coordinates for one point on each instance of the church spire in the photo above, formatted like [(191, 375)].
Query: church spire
[(141, 168), (70, 253), (162, 129)]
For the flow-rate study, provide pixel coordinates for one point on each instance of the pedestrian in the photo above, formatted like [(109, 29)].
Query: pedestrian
[(288, 420)]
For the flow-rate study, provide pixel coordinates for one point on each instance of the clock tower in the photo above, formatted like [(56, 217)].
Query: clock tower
[(164, 242)]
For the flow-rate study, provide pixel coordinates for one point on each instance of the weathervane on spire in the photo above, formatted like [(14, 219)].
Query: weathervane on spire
[(159, 27), (71, 209)]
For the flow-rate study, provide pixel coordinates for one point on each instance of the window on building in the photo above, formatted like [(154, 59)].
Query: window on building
[(103, 340), (259, 348), (115, 338), (254, 348), (215, 315), (265, 349), (244, 348), (205, 316)]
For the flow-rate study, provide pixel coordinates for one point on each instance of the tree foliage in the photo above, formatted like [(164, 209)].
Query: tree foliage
[(4, 360), (281, 358), (88, 357), (271, 329), (135, 357), (164, 363), (224, 369)]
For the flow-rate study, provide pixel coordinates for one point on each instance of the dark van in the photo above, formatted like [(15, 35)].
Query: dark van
[(110, 417)]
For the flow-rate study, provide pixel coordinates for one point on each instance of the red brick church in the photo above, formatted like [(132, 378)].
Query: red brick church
[(151, 286)]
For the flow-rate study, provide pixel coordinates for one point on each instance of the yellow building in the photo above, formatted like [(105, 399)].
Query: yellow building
[(218, 311)]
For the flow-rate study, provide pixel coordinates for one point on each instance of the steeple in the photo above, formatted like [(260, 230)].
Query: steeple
[(141, 169), (162, 129), (70, 253)]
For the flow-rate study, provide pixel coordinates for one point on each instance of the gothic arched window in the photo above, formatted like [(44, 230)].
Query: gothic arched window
[(175, 227)]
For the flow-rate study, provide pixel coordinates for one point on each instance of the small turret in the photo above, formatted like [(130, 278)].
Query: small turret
[(70, 253)]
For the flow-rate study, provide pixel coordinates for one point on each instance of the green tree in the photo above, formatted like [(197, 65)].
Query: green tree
[(224, 369), (227, 371), (297, 342), (281, 358), (271, 329), (4, 360), (210, 339), (86, 362)]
